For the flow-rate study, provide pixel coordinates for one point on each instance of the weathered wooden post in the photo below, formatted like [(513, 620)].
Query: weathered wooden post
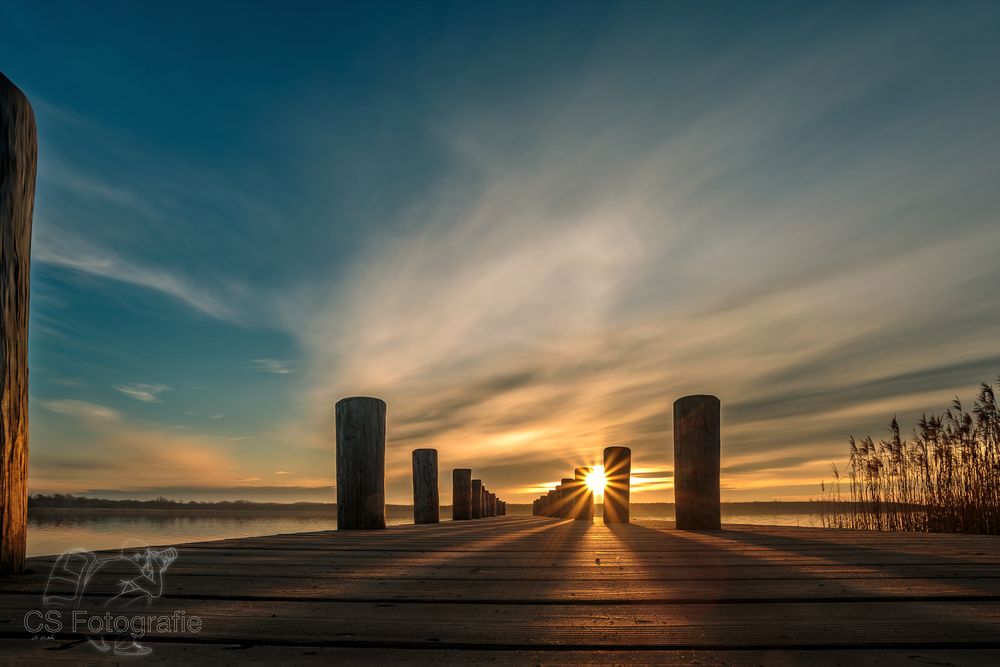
[(477, 499), (566, 498), (550, 503), (534, 506), (461, 494), (697, 460), (426, 503), (484, 499), (360, 463), (617, 471), (585, 497), (18, 159), (546, 505), (491, 504)]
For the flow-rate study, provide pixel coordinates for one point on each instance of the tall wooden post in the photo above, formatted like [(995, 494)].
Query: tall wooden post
[(483, 500), (461, 494), (360, 463), (697, 460), (477, 499), (491, 504), (426, 503), (553, 503), (18, 157), (566, 498), (617, 471), (535, 506), (584, 496)]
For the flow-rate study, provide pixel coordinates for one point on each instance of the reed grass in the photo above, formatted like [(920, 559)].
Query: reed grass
[(945, 478)]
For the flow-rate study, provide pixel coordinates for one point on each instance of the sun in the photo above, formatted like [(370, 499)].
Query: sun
[(596, 479)]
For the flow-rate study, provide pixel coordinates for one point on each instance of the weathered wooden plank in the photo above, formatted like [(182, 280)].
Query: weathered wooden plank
[(43, 653), (605, 590), (693, 626)]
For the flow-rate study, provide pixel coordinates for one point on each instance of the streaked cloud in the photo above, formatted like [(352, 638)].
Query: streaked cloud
[(276, 366), (82, 410), (536, 254), (147, 393)]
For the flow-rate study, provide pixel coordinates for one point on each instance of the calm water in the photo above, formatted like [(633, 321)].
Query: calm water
[(53, 531)]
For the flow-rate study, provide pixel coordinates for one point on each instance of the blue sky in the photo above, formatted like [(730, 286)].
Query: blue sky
[(528, 226)]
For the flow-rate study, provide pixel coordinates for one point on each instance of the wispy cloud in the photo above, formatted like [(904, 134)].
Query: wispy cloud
[(147, 393), (83, 410), (276, 366), (72, 253)]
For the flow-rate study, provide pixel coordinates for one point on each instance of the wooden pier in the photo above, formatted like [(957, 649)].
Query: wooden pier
[(542, 590)]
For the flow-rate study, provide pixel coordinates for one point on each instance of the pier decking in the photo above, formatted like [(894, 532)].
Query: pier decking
[(539, 590)]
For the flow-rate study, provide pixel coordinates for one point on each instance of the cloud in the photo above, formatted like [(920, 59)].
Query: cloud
[(568, 279), (276, 366), (69, 252), (147, 393), (83, 410)]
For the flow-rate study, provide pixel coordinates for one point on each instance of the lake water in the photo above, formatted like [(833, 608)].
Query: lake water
[(53, 531)]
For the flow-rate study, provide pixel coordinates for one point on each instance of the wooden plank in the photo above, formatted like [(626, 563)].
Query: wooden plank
[(30, 653), (692, 626), (593, 591)]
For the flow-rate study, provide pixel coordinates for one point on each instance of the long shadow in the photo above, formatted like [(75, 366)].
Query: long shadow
[(850, 607)]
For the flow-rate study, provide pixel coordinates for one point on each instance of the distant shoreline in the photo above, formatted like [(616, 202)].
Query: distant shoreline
[(40, 505)]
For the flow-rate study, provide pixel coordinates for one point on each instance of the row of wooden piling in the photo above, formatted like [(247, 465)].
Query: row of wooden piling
[(361, 474), (471, 499), (697, 461), (574, 499)]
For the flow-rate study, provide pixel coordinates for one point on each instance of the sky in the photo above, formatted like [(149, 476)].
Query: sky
[(529, 227)]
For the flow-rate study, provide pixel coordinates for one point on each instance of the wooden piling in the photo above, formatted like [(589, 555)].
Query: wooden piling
[(18, 159), (617, 471), (492, 504), (426, 502), (550, 503), (360, 463), (535, 506), (461, 494), (697, 460), (566, 498), (477, 499), (584, 503)]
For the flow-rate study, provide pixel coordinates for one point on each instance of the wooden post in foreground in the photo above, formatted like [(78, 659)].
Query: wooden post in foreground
[(426, 503), (18, 158), (584, 496), (360, 463), (461, 494), (617, 471), (477, 499), (697, 460)]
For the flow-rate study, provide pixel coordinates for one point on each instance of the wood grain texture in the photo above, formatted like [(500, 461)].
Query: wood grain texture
[(502, 590), (18, 159), (426, 502), (360, 463), (697, 452), (477, 499), (461, 491), (617, 490)]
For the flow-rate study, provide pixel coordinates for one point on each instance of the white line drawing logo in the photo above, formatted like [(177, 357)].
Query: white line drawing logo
[(104, 593)]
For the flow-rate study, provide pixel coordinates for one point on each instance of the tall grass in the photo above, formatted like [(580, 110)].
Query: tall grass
[(945, 478)]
